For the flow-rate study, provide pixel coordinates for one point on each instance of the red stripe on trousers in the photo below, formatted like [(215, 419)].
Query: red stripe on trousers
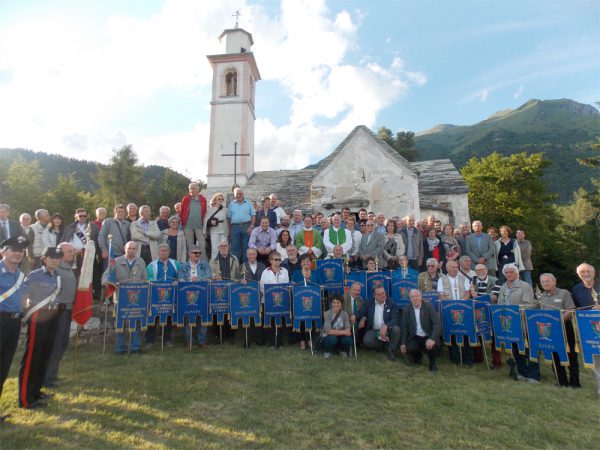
[(28, 362)]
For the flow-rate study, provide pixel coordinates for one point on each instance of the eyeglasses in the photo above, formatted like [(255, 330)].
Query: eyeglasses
[(276, 259), (196, 253)]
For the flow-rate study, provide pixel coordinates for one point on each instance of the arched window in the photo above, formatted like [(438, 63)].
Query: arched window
[(231, 83)]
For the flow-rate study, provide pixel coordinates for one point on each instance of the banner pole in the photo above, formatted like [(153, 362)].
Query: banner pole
[(105, 327), (162, 338), (129, 340), (276, 335), (555, 371), (246, 329), (75, 352), (221, 334), (191, 334), (460, 351), (354, 339), (310, 340), (487, 363)]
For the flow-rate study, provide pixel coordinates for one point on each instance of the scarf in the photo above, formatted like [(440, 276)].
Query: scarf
[(432, 243)]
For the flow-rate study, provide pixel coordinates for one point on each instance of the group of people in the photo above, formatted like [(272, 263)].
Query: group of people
[(242, 241)]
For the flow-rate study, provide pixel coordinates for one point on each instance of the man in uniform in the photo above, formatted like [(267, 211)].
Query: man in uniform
[(41, 288), (64, 300), (11, 291)]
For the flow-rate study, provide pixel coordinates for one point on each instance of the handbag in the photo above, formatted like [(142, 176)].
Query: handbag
[(212, 220)]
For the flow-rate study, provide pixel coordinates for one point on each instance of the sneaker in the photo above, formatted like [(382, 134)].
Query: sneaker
[(326, 355), (520, 377), (343, 354), (532, 380)]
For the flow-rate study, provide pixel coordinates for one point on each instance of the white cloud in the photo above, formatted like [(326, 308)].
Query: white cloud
[(79, 87), (519, 91)]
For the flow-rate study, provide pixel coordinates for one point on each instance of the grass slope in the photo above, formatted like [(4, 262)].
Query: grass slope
[(226, 396)]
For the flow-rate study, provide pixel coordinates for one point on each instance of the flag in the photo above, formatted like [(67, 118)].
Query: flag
[(111, 281), (82, 307)]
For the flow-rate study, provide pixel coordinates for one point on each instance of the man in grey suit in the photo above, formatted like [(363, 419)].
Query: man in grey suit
[(371, 244), (413, 243), (420, 330), (119, 229), (480, 247)]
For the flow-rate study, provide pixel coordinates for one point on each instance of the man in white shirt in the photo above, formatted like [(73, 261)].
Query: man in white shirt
[(379, 318)]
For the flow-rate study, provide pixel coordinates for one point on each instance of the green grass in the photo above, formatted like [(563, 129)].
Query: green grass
[(226, 396)]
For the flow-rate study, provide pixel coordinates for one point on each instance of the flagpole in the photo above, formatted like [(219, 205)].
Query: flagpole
[(191, 334), (460, 351), (75, 352), (354, 339), (246, 329), (129, 339), (487, 363), (162, 338), (276, 329), (105, 326), (221, 333), (310, 338)]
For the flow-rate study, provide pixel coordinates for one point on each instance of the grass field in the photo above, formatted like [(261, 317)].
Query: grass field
[(227, 396)]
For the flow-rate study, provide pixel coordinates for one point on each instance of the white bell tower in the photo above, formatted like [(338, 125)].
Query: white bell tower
[(232, 116)]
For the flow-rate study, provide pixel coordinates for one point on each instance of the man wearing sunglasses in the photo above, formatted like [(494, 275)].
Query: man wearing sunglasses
[(76, 235)]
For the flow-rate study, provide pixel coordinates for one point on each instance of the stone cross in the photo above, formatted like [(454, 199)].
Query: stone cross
[(235, 155)]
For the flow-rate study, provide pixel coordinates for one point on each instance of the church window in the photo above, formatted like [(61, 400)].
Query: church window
[(231, 83)]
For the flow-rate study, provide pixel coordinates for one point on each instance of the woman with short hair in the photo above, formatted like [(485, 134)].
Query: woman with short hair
[(215, 223), (336, 329), (175, 238)]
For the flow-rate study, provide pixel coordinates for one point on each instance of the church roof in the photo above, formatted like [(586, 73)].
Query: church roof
[(384, 146), (292, 187), (439, 176)]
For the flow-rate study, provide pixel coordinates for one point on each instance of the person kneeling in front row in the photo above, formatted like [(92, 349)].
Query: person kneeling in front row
[(380, 317), (420, 330), (336, 329)]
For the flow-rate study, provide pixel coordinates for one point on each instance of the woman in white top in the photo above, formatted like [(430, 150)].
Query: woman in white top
[(283, 241), (215, 223), (53, 233)]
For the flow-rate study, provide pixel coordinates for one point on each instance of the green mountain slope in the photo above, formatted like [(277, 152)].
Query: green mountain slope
[(563, 129)]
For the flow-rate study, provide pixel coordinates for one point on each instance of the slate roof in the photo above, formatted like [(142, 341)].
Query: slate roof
[(439, 176), (321, 165), (292, 187)]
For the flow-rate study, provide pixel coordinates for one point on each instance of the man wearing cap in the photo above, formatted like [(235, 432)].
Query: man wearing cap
[(64, 300), (11, 292), (41, 318), (195, 270)]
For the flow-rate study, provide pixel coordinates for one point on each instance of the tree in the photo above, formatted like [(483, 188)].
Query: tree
[(120, 181), (509, 190), (403, 142), (22, 187), (65, 197), (164, 187)]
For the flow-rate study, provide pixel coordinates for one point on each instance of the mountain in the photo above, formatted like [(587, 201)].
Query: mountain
[(53, 165), (562, 129)]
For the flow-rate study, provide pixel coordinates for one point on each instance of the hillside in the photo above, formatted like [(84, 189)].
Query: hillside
[(563, 129), (53, 165)]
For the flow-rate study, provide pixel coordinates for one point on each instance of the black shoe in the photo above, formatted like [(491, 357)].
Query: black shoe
[(433, 366), (513, 372), (391, 356), (45, 396), (136, 352), (35, 405)]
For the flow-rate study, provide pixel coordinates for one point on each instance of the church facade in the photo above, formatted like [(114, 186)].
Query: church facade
[(362, 172)]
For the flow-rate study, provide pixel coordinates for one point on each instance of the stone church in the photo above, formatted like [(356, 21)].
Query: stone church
[(362, 172)]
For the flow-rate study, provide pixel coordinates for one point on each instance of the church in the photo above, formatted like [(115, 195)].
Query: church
[(362, 172)]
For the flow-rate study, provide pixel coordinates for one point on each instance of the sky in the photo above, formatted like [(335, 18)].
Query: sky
[(81, 78)]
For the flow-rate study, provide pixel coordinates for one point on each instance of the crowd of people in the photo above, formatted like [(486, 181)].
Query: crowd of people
[(259, 241)]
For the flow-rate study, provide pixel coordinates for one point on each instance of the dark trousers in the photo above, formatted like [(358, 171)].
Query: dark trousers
[(343, 342), (414, 264), (269, 335), (10, 327), (561, 371), (467, 352), (416, 348), (239, 240), (496, 355), (152, 330), (525, 367), (60, 345), (296, 337), (371, 338), (145, 253), (41, 333)]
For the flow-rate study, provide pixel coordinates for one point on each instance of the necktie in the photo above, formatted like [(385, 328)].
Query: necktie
[(403, 273), (355, 305)]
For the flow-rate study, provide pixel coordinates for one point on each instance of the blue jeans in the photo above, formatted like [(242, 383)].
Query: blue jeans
[(200, 332), (331, 342), (136, 340), (239, 240), (526, 277)]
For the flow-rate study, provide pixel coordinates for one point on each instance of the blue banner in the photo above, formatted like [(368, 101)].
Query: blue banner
[(507, 327), (132, 305), (400, 289), (357, 276), (588, 324), (546, 333), (277, 304), (244, 303), (332, 275), (307, 307), (218, 303), (376, 279), (482, 320), (192, 301), (459, 320), (484, 299), (162, 301)]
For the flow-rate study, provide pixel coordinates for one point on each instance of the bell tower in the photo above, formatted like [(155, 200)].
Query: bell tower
[(232, 116)]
